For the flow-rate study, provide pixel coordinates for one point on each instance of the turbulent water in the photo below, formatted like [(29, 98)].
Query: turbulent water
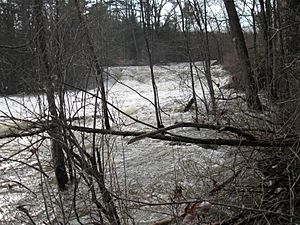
[(147, 170)]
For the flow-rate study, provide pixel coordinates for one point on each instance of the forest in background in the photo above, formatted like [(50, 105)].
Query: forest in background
[(116, 30), (53, 46)]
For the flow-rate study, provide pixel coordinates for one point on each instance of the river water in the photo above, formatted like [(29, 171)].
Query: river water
[(147, 170)]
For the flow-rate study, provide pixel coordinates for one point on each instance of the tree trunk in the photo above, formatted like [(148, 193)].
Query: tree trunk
[(109, 210), (99, 69), (145, 14), (54, 132), (266, 22), (207, 63), (251, 91), (188, 48)]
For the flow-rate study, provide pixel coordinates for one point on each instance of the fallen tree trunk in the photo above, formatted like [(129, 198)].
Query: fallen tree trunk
[(228, 142), (244, 139)]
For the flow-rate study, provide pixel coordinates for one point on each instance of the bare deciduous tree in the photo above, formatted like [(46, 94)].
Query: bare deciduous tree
[(251, 89), (146, 21), (46, 72)]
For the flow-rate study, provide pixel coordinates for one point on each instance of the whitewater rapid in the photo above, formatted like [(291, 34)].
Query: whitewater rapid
[(148, 169)]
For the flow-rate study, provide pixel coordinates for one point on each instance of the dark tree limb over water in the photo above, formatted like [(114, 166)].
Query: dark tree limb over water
[(244, 138), (228, 142)]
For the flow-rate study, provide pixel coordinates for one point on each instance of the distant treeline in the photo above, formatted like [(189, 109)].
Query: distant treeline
[(119, 41)]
